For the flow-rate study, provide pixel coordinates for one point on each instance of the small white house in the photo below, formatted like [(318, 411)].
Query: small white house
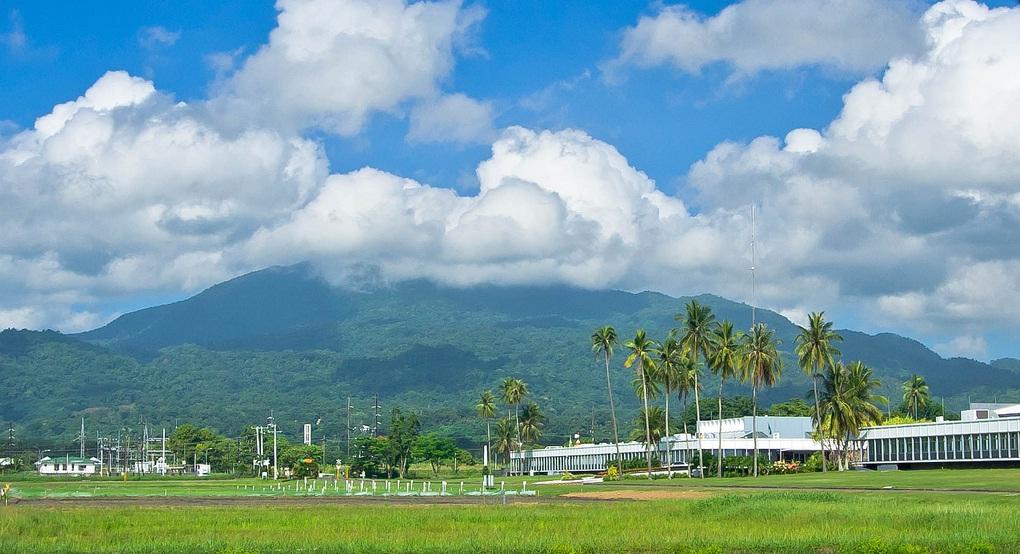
[(68, 465)]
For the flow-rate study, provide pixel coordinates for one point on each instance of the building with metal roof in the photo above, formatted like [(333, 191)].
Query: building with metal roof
[(987, 435), (779, 438)]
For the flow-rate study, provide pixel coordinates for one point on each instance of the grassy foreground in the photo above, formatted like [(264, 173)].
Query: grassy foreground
[(1006, 479), (772, 521)]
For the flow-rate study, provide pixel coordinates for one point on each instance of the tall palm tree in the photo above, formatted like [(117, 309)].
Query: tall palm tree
[(514, 391), (641, 349), (486, 408), (816, 351), (686, 382), (915, 393), (724, 359), (602, 342), (532, 422), (847, 404), (505, 438), (762, 366), (696, 326), (670, 366)]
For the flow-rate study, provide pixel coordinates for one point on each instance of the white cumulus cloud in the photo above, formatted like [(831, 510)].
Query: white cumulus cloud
[(331, 63), (857, 36)]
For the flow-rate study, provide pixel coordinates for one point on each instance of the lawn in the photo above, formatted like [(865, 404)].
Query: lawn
[(927, 479), (70, 516), (759, 521)]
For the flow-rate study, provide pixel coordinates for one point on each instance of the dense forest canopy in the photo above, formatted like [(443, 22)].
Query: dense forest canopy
[(284, 341)]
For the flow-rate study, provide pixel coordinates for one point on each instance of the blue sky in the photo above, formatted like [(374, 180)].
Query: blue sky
[(525, 48), (692, 112)]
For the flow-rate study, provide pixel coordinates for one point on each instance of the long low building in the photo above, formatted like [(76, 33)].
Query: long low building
[(986, 435), (779, 438)]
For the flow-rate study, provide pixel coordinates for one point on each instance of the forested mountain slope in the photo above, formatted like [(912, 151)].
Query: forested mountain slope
[(282, 339)]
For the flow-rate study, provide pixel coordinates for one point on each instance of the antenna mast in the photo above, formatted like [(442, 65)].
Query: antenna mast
[(753, 263)]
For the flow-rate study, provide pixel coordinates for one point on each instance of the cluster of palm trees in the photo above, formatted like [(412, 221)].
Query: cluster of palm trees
[(676, 363), (521, 426), (843, 394)]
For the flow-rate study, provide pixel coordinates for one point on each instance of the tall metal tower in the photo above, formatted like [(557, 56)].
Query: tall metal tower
[(375, 423), (753, 264)]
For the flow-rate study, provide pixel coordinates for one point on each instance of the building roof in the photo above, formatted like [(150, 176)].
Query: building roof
[(67, 460)]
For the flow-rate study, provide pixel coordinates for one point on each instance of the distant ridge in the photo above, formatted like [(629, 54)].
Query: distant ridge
[(283, 339)]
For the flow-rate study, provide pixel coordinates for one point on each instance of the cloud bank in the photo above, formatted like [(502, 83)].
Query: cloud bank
[(903, 210)]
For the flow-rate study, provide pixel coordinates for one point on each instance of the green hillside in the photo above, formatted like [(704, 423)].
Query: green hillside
[(282, 339), (1011, 364)]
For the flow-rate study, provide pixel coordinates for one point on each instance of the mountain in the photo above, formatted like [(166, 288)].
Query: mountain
[(1012, 364), (287, 341)]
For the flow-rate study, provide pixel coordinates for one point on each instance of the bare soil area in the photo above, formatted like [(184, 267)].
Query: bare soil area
[(638, 495)]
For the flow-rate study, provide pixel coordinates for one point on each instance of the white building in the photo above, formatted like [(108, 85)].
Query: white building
[(68, 465), (779, 438), (987, 435)]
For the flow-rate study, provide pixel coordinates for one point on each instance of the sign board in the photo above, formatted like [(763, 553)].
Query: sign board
[(308, 433)]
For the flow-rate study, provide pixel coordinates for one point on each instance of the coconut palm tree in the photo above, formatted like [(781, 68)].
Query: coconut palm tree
[(670, 365), (816, 351), (532, 422), (641, 349), (847, 403), (514, 391), (686, 382), (915, 393), (654, 423), (695, 328), (505, 440), (762, 366), (724, 359), (486, 408), (602, 342)]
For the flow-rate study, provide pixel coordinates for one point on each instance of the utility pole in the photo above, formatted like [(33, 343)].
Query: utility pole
[(163, 451), (81, 438), (276, 469), (10, 438), (348, 428), (145, 446)]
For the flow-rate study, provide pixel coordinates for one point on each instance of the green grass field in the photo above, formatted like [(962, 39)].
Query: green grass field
[(933, 479), (701, 518)]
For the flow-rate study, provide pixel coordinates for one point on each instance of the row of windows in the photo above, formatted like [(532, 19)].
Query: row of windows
[(948, 447), (598, 462), (67, 467)]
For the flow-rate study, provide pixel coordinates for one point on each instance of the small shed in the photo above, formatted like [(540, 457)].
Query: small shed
[(68, 465)]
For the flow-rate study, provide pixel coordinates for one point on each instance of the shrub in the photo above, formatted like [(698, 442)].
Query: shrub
[(813, 463), (782, 467), (567, 476), (612, 474)]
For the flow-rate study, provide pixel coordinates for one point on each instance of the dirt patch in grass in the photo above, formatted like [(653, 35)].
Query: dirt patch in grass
[(639, 495)]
